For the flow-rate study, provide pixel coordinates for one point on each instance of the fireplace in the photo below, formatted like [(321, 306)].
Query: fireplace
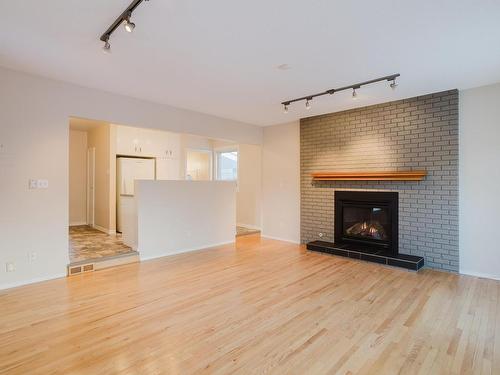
[(366, 228), (367, 219)]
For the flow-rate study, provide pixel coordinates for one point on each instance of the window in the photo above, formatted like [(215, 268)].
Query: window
[(227, 165)]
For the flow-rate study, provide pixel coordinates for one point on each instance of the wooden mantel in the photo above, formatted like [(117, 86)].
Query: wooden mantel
[(370, 176)]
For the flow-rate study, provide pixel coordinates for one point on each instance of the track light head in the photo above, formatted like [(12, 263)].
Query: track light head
[(393, 85), (354, 93), (308, 103), (107, 46), (129, 26), (285, 107)]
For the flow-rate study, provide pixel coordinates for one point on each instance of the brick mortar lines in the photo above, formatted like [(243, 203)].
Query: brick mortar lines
[(415, 133)]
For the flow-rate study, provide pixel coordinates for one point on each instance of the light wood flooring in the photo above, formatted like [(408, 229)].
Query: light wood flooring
[(259, 307)]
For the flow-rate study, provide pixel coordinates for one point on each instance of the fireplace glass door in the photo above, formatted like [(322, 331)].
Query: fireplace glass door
[(367, 223)]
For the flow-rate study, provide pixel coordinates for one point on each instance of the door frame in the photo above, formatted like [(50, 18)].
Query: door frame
[(91, 186)]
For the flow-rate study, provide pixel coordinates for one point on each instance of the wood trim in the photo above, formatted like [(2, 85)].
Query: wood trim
[(370, 176)]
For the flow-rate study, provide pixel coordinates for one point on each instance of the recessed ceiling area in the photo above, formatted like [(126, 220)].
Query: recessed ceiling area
[(240, 60)]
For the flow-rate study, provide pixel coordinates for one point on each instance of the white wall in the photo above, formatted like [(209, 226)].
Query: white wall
[(34, 132), (479, 181), (249, 196), (281, 182), (77, 177), (179, 216)]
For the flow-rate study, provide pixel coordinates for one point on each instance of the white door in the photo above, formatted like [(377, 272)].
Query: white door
[(91, 186)]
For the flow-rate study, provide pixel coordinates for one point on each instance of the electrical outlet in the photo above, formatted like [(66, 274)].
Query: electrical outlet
[(10, 267), (32, 256)]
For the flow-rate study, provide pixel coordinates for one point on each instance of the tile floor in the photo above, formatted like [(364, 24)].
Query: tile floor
[(87, 243)]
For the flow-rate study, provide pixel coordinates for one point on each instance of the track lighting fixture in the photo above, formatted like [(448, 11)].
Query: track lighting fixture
[(124, 19), (285, 108), (309, 98)]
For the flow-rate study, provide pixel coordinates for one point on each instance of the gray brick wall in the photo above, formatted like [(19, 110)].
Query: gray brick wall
[(415, 133)]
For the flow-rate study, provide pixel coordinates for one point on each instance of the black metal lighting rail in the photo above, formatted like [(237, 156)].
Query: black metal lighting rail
[(125, 16), (307, 98)]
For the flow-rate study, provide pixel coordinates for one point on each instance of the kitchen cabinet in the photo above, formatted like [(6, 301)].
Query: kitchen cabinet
[(167, 169), (132, 141), (161, 145), (166, 145), (127, 141)]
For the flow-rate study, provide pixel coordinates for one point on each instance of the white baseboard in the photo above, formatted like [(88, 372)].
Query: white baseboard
[(186, 250), (105, 230), (32, 281), (482, 275), (77, 223), (248, 226), (280, 239)]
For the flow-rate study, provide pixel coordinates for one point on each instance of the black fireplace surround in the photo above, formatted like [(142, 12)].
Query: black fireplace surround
[(366, 228), (367, 219)]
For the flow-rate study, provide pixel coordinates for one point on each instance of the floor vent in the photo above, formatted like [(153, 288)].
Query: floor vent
[(75, 270)]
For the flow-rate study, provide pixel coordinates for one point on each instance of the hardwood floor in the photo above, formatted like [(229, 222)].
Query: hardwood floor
[(259, 307)]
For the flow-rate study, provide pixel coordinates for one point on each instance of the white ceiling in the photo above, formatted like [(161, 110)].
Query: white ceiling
[(221, 56)]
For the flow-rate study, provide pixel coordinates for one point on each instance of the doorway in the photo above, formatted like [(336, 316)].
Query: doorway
[(91, 186), (198, 165), (92, 237)]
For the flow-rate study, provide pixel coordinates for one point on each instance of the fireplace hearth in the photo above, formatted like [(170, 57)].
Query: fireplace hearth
[(366, 228)]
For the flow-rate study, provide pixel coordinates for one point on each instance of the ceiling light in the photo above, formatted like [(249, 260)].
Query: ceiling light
[(284, 67), (107, 46), (391, 78), (122, 19), (285, 108), (129, 26)]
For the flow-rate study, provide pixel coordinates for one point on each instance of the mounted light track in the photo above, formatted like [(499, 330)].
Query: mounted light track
[(391, 78), (124, 19)]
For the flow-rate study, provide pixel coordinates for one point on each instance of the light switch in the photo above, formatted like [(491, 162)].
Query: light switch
[(43, 184), (38, 184), (10, 267)]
